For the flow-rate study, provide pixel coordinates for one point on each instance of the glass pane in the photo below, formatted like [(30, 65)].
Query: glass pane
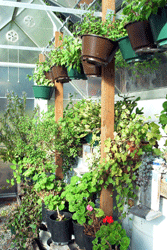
[(15, 79)]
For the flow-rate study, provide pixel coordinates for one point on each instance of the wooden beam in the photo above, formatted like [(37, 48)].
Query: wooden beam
[(107, 113), (41, 58), (58, 109)]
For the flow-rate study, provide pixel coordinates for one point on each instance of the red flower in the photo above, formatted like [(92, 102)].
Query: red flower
[(104, 220), (110, 219)]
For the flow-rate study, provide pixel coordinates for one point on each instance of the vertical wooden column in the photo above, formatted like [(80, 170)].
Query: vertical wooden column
[(107, 113), (58, 109), (41, 58)]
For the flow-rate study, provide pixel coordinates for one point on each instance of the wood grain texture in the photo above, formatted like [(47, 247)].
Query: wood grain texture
[(107, 113)]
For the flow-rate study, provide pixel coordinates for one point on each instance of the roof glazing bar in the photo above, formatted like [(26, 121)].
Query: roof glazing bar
[(46, 8), (23, 48)]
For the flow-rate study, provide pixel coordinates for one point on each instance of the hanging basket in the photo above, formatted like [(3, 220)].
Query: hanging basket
[(43, 92), (158, 25), (60, 74), (97, 49), (91, 70), (141, 37), (49, 75), (73, 74), (129, 54)]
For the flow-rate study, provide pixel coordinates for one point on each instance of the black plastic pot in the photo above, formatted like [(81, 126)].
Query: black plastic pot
[(88, 242), (78, 233), (61, 231)]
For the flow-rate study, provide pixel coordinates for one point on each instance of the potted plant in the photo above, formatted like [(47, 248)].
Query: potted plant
[(138, 26), (111, 235), (125, 47), (58, 65), (44, 87), (71, 52), (157, 21), (98, 42), (79, 193)]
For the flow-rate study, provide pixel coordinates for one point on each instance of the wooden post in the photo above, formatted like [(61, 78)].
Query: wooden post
[(107, 113), (41, 57), (58, 109)]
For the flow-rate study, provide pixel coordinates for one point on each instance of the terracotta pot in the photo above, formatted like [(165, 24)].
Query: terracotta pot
[(97, 49), (60, 74), (140, 35), (49, 75), (91, 70)]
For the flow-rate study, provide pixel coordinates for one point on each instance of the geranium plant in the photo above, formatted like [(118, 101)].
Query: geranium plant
[(111, 236)]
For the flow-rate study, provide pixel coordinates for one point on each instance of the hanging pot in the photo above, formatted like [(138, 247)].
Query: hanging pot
[(43, 92), (78, 233), (60, 74), (61, 231), (91, 70), (97, 49), (158, 23), (49, 75), (140, 36), (88, 241), (73, 74), (129, 54)]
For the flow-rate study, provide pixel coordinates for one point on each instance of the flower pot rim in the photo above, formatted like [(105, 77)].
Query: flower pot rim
[(122, 38), (43, 86), (135, 22), (103, 37)]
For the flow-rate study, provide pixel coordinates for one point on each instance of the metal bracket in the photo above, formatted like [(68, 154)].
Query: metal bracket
[(68, 18)]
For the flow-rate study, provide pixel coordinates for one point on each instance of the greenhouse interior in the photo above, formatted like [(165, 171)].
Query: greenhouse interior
[(83, 124)]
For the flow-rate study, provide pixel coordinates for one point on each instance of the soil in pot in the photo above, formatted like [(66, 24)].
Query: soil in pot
[(97, 49), (61, 230), (78, 233)]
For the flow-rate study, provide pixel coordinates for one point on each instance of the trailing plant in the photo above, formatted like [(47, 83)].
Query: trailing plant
[(111, 235), (24, 220), (136, 10), (39, 75), (15, 126)]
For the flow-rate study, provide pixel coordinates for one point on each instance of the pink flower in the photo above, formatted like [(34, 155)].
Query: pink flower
[(89, 207)]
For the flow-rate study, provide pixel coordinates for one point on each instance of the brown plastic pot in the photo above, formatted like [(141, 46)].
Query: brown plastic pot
[(91, 70), (49, 75), (97, 49), (140, 35), (60, 74)]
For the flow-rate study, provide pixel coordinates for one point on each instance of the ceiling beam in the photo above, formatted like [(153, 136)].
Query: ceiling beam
[(24, 48), (46, 8)]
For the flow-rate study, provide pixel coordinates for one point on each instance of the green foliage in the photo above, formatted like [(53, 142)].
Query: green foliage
[(94, 25), (24, 220), (15, 126), (39, 76), (111, 234), (79, 193), (140, 10)]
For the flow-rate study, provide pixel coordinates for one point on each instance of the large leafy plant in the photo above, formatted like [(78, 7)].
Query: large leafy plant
[(111, 235), (15, 127)]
